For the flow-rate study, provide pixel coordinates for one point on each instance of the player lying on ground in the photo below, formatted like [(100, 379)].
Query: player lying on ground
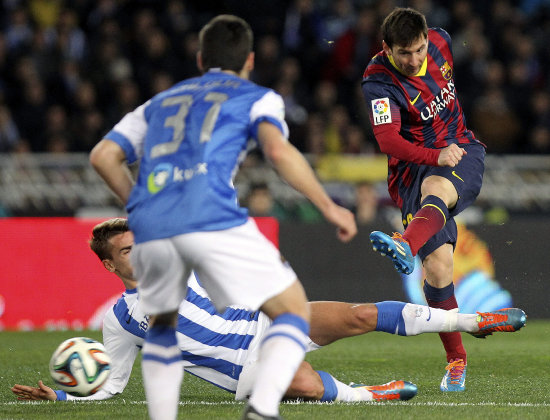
[(223, 348)]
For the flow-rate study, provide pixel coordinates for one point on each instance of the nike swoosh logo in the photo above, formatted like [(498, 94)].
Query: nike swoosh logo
[(454, 174), (415, 99), (429, 314)]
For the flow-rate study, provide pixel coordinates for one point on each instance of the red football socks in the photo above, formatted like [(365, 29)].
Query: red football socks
[(445, 299), (427, 221)]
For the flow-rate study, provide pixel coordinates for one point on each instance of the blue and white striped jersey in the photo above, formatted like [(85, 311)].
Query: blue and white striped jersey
[(191, 139), (214, 346)]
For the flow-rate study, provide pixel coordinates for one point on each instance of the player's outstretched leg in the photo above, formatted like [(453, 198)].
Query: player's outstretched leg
[(506, 320), (395, 247), (334, 390), (394, 390), (455, 378)]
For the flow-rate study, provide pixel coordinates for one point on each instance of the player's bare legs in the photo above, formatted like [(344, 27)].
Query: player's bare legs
[(282, 349), (331, 321)]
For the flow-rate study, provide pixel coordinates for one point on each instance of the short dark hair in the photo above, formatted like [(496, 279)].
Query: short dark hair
[(403, 26), (225, 42), (101, 233)]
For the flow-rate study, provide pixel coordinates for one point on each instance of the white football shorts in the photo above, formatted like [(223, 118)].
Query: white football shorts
[(237, 266)]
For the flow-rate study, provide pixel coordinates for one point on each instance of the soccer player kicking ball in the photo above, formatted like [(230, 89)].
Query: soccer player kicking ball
[(435, 163), (223, 348)]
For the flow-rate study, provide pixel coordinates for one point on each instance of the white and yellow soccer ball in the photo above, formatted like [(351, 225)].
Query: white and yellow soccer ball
[(80, 366)]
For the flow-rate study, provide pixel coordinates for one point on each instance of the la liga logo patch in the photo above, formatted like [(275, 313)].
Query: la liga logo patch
[(381, 111)]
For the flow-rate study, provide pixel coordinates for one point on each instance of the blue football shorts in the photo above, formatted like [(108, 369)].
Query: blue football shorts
[(467, 178)]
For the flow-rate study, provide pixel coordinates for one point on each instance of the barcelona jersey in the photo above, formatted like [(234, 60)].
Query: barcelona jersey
[(413, 117)]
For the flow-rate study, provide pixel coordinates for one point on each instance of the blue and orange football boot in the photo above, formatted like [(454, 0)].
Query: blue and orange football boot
[(394, 390), (455, 377), (505, 320), (395, 247)]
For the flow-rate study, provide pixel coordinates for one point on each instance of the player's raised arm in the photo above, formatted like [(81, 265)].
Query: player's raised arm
[(293, 168), (109, 161)]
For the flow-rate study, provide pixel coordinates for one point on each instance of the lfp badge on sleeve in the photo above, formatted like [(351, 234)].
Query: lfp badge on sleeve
[(381, 112)]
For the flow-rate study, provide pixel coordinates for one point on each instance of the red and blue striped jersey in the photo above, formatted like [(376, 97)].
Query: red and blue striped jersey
[(413, 117)]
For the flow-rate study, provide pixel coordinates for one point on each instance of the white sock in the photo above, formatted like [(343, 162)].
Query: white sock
[(423, 319), (162, 370), (338, 391), (348, 394), (282, 351), (467, 323)]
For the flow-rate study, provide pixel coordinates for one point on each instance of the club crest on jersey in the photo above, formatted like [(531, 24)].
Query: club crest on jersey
[(381, 111), (446, 71)]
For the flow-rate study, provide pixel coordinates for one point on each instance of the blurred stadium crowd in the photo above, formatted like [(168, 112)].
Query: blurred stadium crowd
[(69, 70)]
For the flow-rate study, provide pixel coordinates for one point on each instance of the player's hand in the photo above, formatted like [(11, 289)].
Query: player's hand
[(27, 393), (450, 156), (344, 220)]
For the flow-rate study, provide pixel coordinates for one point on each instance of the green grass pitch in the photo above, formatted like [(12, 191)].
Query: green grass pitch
[(508, 378)]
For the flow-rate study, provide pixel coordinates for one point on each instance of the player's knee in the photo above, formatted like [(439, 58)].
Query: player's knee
[(306, 384), (440, 187)]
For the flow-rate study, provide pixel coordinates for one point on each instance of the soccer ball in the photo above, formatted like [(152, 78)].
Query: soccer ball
[(80, 366)]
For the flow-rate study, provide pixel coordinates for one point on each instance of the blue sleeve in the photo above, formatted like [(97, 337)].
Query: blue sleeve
[(61, 395), (124, 143), (269, 119)]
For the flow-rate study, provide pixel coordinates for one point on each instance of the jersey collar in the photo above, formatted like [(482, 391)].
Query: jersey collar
[(421, 72)]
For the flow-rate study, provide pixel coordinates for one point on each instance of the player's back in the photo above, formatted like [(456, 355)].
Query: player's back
[(197, 134)]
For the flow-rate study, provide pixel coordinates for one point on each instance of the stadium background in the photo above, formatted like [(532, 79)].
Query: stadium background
[(69, 70)]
